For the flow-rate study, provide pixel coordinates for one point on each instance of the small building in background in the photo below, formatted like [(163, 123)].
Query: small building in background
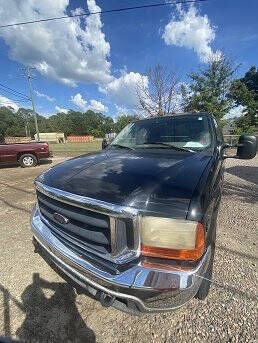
[(10, 140), (80, 139), (51, 137)]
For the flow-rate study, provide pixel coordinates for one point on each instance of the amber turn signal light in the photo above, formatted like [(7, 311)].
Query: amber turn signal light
[(193, 253)]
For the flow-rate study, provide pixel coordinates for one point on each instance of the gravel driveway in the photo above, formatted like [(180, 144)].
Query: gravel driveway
[(37, 306)]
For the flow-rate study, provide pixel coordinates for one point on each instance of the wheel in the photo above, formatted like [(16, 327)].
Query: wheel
[(28, 160), (206, 282)]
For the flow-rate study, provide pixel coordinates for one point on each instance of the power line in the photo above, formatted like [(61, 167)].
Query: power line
[(12, 101), (102, 12), (9, 90), (18, 97)]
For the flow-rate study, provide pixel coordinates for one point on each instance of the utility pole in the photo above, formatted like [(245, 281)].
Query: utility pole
[(29, 77)]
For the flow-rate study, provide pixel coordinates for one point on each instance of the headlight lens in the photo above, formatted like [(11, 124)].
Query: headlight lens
[(171, 238)]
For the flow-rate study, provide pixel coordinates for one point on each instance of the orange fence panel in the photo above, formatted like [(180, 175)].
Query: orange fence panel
[(80, 139)]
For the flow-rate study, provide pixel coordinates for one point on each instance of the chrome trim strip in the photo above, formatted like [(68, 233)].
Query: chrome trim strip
[(86, 202), (113, 235)]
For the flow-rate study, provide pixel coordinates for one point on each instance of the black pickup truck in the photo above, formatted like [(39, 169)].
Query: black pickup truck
[(134, 225)]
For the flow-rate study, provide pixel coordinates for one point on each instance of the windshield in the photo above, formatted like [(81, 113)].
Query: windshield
[(190, 133)]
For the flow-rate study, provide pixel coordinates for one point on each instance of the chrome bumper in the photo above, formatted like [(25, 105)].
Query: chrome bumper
[(137, 289)]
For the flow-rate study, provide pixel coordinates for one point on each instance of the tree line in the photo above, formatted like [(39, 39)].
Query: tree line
[(21, 123), (212, 89)]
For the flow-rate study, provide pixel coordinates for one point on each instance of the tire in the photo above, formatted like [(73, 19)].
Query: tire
[(28, 160), (206, 283)]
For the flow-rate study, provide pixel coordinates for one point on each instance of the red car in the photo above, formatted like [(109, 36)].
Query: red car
[(26, 154)]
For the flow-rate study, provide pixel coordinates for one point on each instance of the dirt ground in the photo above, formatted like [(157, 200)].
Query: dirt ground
[(36, 305)]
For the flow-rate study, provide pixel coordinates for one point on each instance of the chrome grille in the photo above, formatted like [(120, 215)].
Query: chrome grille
[(91, 227), (85, 229)]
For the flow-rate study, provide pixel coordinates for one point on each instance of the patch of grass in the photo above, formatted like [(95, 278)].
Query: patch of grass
[(74, 149)]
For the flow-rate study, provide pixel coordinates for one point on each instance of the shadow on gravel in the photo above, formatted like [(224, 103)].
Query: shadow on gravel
[(16, 207), (238, 253), (247, 173), (52, 318), (234, 291), (244, 192), (16, 188)]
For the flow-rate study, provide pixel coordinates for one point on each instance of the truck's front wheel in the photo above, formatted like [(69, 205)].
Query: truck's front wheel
[(206, 282), (28, 160)]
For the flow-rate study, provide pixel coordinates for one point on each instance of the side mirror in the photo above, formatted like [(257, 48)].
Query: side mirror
[(246, 147)]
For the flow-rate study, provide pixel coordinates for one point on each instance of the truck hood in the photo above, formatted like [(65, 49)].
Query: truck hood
[(159, 182)]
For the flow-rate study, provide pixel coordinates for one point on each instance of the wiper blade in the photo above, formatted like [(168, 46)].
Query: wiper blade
[(179, 148), (121, 146), (168, 146)]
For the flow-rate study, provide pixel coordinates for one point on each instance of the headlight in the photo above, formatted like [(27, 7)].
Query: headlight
[(171, 238)]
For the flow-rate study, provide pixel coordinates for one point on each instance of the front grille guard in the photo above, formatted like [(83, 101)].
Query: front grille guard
[(114, 212)]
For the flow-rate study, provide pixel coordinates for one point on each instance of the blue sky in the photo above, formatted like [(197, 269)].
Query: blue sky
[(98, 63)]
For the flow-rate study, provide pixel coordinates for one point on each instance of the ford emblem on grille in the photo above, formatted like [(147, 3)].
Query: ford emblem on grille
[(60, 219)]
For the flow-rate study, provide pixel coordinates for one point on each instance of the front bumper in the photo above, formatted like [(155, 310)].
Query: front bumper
[(136, 289)]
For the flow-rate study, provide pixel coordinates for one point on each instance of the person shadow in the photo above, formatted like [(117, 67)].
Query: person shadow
[(53, 317)]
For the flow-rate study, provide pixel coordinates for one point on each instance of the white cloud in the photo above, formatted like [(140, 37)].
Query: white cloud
[(191, 30), (123, 89), (124, 111), (121, 110), (69, 51), (97, 106), (237, 111), (83, 105), (61, 110), (79, 102), (61, 49), (6, 102), (42, 95)]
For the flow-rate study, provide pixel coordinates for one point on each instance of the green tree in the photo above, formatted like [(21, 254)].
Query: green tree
[(124, 120), (26, 118), (98, 123), (209, 88), (13, 123), (7, 119), (22, 123), (70, 123), (244, 92), (251, 79), (77, 123), (96, 133)]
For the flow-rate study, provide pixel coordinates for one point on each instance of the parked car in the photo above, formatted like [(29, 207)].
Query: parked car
[(26, 154), (135, 224)]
